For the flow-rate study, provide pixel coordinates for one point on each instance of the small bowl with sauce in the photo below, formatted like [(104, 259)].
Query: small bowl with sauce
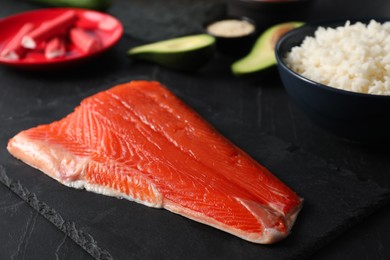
[(234, 35)]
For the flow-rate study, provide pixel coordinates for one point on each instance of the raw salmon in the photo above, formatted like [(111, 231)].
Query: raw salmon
[(140, 142)]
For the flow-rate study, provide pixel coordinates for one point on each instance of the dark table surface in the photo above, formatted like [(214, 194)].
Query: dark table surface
[(26, 234)]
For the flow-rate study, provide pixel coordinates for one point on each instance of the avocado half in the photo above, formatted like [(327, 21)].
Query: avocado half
[(184, 53), (262, 55)]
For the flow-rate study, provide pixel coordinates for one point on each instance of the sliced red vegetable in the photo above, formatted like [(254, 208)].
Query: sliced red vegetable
[(85, 41), (90, 20), (14, 49), (49, 29), (104, 23), (87, 24), (55, 48)]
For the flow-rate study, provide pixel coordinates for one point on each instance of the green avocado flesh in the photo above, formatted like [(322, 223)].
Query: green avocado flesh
[(183, 53), (262, 55)]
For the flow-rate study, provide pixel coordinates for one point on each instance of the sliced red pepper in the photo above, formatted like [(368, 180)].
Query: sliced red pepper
[(49, 29), (14, 49)]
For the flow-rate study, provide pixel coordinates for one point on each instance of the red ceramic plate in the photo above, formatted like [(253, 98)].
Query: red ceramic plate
[(107, 28)]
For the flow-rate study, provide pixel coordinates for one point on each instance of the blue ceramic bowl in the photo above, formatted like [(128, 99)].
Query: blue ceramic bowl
[(357, 117)]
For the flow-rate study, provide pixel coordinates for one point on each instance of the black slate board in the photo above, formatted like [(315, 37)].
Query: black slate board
[(334, 199), (23, 228)]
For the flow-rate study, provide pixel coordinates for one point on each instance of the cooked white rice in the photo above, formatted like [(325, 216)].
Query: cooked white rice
[(354, 57)]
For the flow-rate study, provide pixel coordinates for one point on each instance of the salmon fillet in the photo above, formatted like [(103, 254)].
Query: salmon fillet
[(140, 142)]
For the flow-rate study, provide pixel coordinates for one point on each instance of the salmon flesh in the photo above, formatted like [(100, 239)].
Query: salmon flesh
[(140, 142)]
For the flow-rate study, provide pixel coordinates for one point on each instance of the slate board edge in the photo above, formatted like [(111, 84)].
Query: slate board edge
[(362, 214), (83, 239)]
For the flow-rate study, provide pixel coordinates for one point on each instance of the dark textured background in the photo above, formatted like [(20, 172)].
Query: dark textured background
[(256, 114)]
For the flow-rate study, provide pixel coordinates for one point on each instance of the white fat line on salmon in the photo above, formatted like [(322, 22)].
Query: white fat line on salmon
[(99, 189), (267, 236)]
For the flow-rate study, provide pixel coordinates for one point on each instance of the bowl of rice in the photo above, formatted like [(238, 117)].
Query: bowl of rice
[(338, 73)]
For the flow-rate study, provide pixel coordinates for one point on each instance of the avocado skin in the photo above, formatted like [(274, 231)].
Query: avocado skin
[(99, 5), (182, 61), (262, 50)]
